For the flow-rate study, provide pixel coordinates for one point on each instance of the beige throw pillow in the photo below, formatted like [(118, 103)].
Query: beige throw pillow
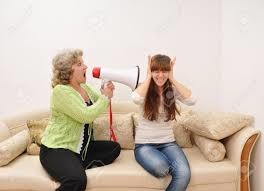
[(36, 129), (212, 150), (4, 131), (13, 147), (182, 135), (123, 129), (217, 125)]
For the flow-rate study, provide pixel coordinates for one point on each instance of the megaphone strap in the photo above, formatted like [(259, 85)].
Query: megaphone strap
[(112, 133)]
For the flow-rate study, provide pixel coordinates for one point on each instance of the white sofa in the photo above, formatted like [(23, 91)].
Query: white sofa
[(25, 173)]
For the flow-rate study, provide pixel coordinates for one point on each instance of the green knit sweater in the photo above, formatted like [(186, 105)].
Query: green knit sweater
[(69, 113)]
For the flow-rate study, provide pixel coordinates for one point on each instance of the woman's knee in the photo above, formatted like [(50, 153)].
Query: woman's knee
[(187, 174), (113, 154), (116, 149), (182, 172), (152, 161), (157, 168), (160, 170), (77, 182)]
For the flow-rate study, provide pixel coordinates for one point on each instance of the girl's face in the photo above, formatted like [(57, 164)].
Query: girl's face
[(79, 71), (160, 77)]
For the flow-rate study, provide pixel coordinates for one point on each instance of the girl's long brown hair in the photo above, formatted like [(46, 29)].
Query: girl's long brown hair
[(153, 98)]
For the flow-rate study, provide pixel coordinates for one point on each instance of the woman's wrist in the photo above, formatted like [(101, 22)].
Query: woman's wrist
[(148, 77), (105, 97)]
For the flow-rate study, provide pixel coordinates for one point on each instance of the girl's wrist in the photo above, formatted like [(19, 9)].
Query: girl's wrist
[(148, 77)]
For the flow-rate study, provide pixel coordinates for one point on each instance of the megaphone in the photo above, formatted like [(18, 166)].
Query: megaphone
[(127, 76)]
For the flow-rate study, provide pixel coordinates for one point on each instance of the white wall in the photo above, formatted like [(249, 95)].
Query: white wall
[(111, 33), (242, 78)]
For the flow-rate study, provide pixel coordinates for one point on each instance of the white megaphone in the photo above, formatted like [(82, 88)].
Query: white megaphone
[(128, 76)]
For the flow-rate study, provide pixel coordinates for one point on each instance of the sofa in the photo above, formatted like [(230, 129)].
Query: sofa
[(232, 173)]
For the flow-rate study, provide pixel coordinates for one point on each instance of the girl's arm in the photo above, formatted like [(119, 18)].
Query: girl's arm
[(181, 90), (182, 93), (143, 87), (139, 94)]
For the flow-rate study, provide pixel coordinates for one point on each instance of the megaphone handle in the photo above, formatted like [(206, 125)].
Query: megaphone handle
[(112, 133)]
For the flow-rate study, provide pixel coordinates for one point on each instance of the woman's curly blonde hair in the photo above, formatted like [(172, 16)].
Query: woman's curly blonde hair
[(62, 66)]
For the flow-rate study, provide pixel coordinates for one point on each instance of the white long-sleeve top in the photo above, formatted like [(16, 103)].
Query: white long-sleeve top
[(157, 131)]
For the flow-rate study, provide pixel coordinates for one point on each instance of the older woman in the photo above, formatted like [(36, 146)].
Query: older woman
[(67, 146)]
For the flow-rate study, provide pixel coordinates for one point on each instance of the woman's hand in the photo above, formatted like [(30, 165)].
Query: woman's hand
[(108, 89), (171, 76)]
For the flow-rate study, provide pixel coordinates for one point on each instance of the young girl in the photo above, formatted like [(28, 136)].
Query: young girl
[(155, 149)]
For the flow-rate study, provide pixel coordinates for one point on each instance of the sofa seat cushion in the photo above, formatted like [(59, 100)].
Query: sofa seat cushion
[(126, 172), (26, 172)]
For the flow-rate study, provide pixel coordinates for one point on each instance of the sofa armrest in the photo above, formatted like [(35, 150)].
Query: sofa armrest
[(238, 150)]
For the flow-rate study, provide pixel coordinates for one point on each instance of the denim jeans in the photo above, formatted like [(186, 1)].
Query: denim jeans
[(163, 159)]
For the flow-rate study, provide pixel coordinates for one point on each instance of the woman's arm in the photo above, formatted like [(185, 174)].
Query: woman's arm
[(182, 93), (143, 87), (67, 102), (94, 94), (139, 94), (181, 90)]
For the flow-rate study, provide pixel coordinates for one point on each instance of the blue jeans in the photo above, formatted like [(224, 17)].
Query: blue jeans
[(163, 159)]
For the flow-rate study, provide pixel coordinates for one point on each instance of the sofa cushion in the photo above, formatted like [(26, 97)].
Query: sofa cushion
[(4, 131), (123, 129), (13, 146), (26, 172), (211, 149), (126, 172), (36, 129), (217, 125), (181, 133), (18, 122)]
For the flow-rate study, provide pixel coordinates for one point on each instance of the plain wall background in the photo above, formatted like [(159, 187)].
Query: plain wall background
[(218, 45), (242, 81), (111, 34)]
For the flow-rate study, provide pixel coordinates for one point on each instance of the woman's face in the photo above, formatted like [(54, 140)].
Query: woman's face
[(160, 77), (79, 71)]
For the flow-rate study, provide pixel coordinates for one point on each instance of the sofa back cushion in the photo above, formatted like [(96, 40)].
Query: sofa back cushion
[(36, 129), (18, 122), (217, 125), (4, 131), (122, 126)]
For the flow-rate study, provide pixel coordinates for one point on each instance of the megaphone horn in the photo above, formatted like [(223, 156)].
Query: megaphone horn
[(128, 76)]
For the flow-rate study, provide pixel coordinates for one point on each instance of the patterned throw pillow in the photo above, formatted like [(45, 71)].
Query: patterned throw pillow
[(13, 147), (212, 150), (36, 129), (123, 129)]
